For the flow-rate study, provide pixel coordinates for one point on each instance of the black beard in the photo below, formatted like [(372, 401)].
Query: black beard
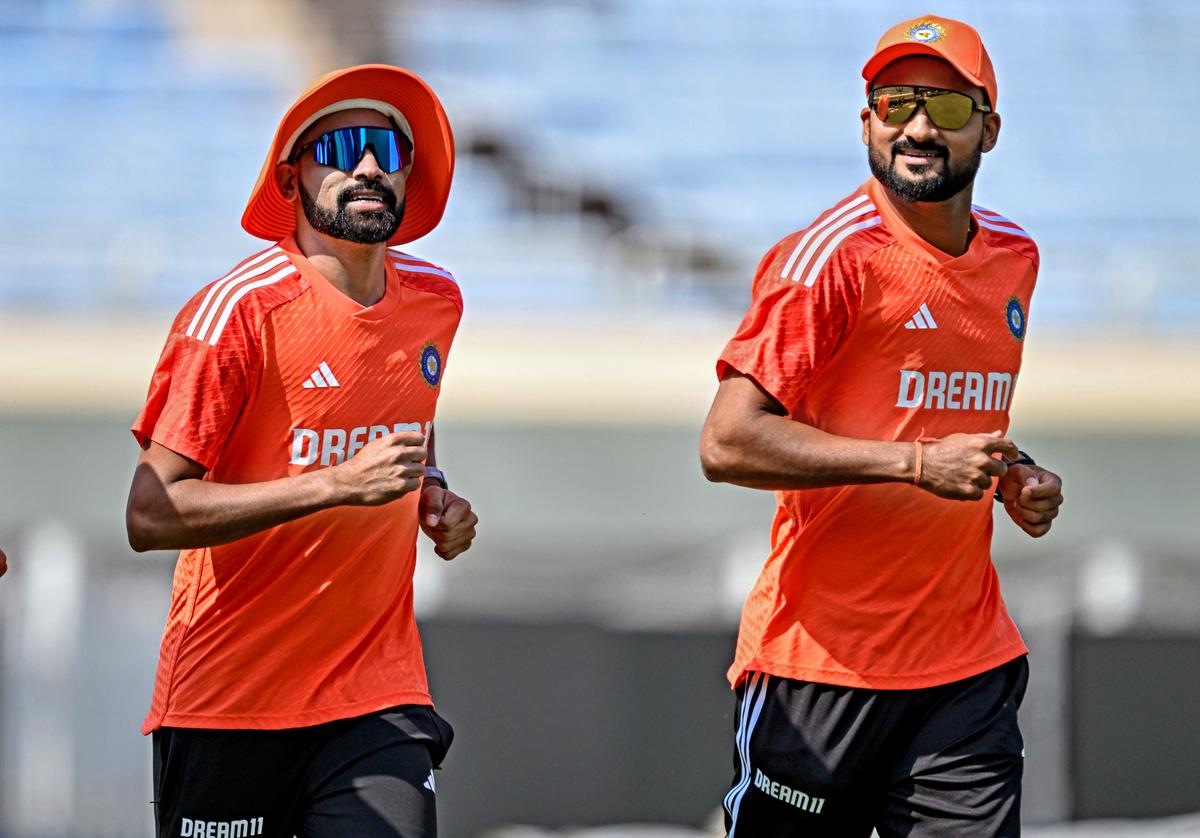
[(367, 227), (941, 186)]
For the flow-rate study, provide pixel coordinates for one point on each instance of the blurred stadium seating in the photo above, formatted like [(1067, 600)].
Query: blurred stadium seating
[(128, 153), (623, 163), (616, 154), (732, 124)]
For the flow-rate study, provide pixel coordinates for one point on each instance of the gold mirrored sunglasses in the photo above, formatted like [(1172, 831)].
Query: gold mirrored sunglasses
[(946, 109)]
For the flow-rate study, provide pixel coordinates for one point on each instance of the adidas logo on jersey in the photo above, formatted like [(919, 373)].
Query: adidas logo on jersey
[(322, 377), (923, 319)]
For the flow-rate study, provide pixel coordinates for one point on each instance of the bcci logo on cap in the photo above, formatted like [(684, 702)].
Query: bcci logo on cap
[(431, 364), (1014, 315), (925, 32)]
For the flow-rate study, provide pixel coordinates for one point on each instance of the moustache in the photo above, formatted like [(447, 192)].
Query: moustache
[(374, 190), (905, 146)]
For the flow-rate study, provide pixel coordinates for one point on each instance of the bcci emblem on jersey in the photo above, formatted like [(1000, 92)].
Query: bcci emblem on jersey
[(1014, 315), (431, 364)]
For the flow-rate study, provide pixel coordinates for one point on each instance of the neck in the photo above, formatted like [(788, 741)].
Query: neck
[(944, 224), (357, 270)]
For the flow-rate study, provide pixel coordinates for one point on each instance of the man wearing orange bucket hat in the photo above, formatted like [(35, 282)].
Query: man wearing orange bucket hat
[(287, 451), (877, 671)]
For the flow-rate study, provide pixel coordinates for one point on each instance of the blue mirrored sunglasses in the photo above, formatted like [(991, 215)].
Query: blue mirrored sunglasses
[(344, 148)]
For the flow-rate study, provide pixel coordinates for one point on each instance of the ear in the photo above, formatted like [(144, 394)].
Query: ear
[(286, 179), (865, 116), (991, 131)]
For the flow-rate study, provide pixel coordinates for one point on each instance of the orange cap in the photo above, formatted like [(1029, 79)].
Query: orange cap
[(951, 40), (380, 87)]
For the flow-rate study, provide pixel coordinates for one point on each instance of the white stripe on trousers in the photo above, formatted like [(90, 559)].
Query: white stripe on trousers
[(752, 703)]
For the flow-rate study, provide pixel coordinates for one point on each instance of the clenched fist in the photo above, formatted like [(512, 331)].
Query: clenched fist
[(385, 469), (448, 520), (963, 466), (1032, 497)]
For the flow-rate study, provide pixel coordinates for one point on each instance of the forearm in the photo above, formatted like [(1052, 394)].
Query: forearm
[(194, 513), (768, 451)]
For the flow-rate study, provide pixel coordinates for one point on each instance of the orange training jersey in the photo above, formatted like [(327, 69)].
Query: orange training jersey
[(271, 372), (861, 328)]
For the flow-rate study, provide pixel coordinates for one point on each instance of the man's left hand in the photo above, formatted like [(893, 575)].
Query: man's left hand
[(447, 519), (1032, 497)]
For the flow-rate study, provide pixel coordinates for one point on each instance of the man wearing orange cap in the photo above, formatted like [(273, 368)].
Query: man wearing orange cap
[(287, 450), (877, 671)]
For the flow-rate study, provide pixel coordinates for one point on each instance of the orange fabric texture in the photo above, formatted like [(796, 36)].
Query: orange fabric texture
[(859, 327), (267, 373)]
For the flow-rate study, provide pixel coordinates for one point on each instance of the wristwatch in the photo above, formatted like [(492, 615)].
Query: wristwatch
[(435, 473), (1023, 460)]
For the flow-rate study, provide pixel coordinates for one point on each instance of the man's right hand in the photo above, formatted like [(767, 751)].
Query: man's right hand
[(962, 466), (385, 469)]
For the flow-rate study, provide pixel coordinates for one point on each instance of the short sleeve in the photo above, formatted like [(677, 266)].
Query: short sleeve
[(792, 330), (199, 388)]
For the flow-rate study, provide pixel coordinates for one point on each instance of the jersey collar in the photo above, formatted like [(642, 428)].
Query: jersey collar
[(908, 238), (335, 298)]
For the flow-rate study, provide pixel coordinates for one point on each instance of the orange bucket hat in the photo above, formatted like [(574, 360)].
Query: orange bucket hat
[(397, 93), (951, 40)]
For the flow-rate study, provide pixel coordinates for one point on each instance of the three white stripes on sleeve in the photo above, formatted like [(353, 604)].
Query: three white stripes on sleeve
[(820, 242), (224, 294)]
